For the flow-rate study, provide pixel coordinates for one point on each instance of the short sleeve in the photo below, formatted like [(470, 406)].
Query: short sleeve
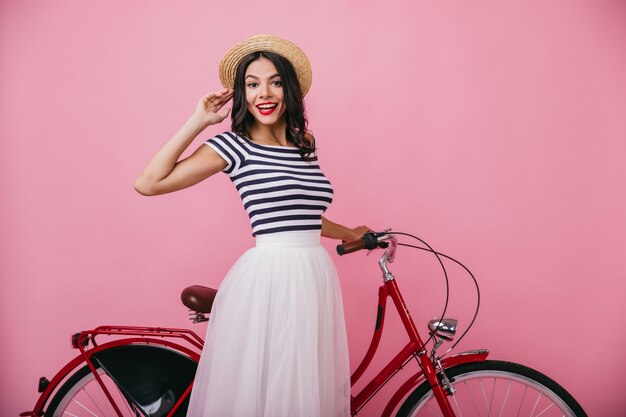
[(230, 148)]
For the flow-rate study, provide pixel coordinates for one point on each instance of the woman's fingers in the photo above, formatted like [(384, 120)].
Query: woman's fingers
[(220, 99), (219, 103), (359, 231), (219, 95), (224, 98), (222, 93), (214, 99), (213, 104)]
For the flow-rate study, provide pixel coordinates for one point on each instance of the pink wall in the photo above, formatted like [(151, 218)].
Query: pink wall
[(495, 130)]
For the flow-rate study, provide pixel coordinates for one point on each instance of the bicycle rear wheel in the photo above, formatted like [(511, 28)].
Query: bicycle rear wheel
[(143, 380), (81, 396), (495, 388)]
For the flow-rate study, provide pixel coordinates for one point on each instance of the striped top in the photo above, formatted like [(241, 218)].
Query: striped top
[(280, 191)]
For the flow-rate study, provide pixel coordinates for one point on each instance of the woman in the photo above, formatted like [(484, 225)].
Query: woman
[(276, 342)]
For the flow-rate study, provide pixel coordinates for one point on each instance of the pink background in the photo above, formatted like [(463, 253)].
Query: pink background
[(494, 130)]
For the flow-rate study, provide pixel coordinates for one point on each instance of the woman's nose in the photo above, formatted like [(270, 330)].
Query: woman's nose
[(265, 90)]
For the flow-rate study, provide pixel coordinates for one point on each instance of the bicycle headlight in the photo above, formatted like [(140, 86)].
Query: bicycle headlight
[(444, 328)]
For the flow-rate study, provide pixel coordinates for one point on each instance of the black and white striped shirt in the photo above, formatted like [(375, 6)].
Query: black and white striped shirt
[(280, 191)]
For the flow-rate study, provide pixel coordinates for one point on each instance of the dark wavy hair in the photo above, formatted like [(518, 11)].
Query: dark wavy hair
[(295, 116)]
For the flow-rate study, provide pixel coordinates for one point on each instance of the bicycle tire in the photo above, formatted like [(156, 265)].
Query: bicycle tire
[(523, 391)]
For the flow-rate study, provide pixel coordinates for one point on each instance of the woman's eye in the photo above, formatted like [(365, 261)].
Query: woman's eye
[(252, 85), (278, 83)]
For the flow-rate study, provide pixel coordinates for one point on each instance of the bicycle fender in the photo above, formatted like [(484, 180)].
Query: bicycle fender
[(478, 355)]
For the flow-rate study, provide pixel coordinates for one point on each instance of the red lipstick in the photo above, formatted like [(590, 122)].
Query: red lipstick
[(267, 110)]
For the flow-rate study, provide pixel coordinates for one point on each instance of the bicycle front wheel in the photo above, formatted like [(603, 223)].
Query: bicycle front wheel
[(495, 388)]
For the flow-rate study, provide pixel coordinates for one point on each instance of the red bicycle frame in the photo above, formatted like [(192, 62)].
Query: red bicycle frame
[(414, 349)]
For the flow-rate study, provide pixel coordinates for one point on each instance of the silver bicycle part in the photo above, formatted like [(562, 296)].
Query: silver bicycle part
[(445, 382), (197, 317), (388, 256), (444, 328), (441, 374)]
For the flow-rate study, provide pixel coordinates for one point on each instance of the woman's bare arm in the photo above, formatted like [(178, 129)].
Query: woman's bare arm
[(336, 231), (164, 173)]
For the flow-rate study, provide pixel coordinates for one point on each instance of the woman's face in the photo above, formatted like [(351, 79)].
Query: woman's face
[(264, 92)]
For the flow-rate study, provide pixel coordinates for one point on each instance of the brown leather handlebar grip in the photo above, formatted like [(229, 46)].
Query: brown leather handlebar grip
[(349, 247)]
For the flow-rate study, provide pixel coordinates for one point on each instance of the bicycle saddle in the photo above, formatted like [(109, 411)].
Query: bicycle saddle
[(198, 298)]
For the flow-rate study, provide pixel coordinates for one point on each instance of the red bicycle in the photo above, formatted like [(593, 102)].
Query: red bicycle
[(148, 371)]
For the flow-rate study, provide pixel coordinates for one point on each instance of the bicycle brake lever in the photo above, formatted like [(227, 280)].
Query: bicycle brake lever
[(383, 245)]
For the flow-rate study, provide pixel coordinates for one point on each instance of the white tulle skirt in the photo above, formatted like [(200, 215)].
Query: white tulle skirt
[(276, 341)]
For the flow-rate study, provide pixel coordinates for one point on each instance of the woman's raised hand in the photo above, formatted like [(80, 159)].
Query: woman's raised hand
[(210, 108)]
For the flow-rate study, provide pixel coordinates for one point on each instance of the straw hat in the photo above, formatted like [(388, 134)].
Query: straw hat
[(271, 43)]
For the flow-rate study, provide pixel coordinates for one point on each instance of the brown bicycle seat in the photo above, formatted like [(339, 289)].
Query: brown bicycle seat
[(198, 298)]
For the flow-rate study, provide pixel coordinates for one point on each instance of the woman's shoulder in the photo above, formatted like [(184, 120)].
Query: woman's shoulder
[(229, 139), (231, 148), (228, 136)]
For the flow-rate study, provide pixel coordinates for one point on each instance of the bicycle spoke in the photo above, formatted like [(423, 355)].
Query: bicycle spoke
[(506, 396), (545, 409), (472, 399), (519, 410), (110, 409), (86, 409), (457, 406), (493, 394), (94, 403), (431, 411), (482, 387), (536, 403)]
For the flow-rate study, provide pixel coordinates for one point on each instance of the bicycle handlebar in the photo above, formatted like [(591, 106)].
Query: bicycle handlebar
[(367, 241)]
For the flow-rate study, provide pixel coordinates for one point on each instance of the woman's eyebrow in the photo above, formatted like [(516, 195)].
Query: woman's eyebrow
[(256, 78)]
